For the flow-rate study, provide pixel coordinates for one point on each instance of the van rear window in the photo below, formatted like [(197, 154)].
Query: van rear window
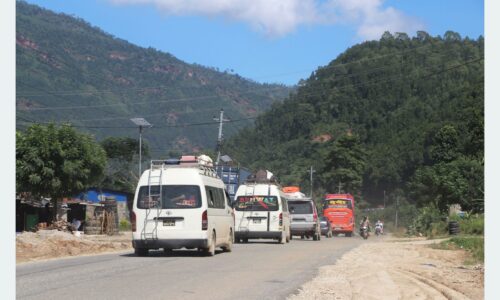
[(172, 196), (300, 207), (256, 203)]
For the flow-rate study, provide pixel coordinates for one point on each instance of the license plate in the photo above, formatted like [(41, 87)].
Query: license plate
[(337, 228), (168, 223), (256, 221)]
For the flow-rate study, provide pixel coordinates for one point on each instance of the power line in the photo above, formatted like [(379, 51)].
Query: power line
[(309, 94), (343, 76), (154, 127), (147, 115), (72, 92)]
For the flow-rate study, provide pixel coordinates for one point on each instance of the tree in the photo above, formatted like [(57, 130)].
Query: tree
[(57, 161), (422, 35), (123, 148), (452, 36), (386, 36), (402, 36), (445, 147), (121, 153), (460, 181), (345, 163)]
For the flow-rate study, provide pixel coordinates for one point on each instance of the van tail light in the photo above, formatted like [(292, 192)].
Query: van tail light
[(315, 216), (281, 219), (133, 221), (204, 221)]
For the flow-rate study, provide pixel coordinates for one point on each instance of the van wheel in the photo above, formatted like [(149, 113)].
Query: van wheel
[(210, 251), (229, 246), (141, 251), (315, 237)]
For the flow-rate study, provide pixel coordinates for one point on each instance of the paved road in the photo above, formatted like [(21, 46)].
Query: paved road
[(257, 270)]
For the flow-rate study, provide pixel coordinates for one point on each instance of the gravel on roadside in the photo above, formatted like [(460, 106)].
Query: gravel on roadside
[(49, 244)]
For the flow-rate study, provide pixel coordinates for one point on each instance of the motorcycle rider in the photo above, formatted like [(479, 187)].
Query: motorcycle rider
[(365, 223), (380, 226)]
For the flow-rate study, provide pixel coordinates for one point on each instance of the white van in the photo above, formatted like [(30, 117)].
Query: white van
[(181, 203), (261, 211)]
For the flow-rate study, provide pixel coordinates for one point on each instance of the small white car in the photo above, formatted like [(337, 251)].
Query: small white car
[(181, 204)]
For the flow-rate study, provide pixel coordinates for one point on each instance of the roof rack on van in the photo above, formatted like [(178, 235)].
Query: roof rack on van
[(262, 176), (206, 167)]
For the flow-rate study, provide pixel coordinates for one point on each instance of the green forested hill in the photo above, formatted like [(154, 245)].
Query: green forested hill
[(70, 71), (401, 115)]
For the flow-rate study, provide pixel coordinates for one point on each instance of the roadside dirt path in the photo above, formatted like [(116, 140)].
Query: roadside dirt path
[(49, 244), (397, 269)]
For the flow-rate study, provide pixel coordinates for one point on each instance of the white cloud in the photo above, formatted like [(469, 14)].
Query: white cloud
[(372, 19), (280, 17)]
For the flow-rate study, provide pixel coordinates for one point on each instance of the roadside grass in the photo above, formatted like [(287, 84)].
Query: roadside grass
[(125, 225), (472, 224), (473, 244)]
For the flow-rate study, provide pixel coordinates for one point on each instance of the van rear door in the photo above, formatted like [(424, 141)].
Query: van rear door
[(256, 212), (180, 210)]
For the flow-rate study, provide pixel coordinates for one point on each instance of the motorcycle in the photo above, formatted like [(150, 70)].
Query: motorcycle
[(363, 231), (378, 230)]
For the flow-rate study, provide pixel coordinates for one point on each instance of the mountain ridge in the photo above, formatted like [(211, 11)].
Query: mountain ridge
[(379, 109), (71, 71)]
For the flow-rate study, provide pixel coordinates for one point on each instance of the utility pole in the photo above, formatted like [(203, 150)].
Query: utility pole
[(311, 171), (340, 185), (221, 121), (384, 199), (397, 209)]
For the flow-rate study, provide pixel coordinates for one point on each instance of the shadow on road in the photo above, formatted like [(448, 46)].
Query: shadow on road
[(260, 242), (173, 253)]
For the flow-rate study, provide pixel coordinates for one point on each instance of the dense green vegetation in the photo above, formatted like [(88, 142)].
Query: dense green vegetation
[(401, 115), (122, 169), (57, 161), (70, 71)]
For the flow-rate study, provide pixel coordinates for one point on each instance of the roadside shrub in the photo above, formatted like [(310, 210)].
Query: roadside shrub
[(429, 221), (472, 224), (124, 225)]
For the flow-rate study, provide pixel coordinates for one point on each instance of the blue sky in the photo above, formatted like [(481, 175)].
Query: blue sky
[(277, 41)]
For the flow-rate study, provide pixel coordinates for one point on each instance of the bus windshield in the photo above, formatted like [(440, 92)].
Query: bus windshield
[(337, 203), (257, 203)]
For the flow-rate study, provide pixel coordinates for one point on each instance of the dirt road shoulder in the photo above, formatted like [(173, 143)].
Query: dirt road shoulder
[(397, 269), (52, 244)]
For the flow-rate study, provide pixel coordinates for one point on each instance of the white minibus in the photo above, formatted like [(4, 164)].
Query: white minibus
[(261, 212), (181, 203)]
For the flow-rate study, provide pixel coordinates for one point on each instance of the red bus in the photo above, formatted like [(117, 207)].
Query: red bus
[(339, 209)]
